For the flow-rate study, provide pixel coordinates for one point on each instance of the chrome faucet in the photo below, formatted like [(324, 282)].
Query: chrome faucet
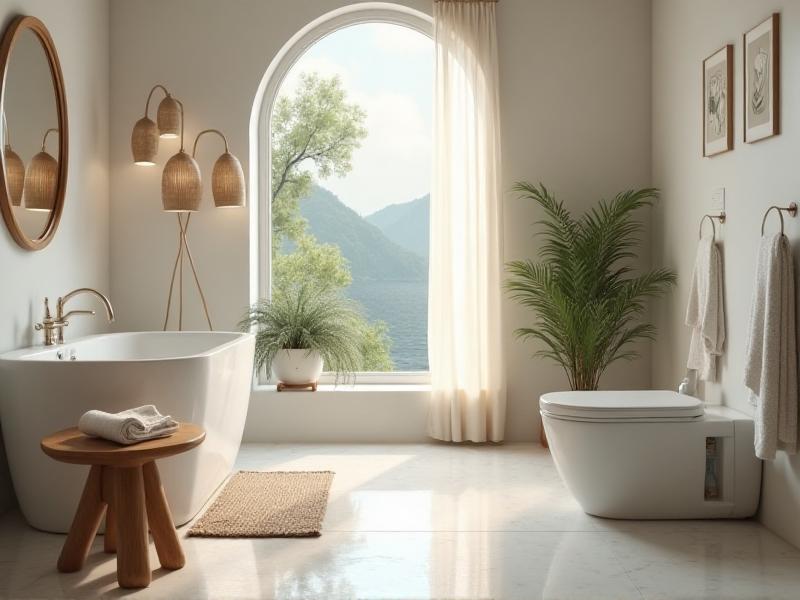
[(54, 327)]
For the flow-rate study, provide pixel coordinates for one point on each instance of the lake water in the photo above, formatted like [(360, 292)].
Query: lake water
[(403, 306)]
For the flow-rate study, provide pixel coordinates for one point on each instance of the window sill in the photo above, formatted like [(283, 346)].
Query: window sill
[(393, 388)]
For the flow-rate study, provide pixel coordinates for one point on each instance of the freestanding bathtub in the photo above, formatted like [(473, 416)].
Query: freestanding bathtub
[(202, 377)]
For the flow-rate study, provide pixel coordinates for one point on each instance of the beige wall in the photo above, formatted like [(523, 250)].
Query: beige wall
[(78, 255), (576, 113), (754, 175)]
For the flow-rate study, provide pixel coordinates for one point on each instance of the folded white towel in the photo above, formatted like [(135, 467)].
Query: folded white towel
[(771, 355), (129, 426), (705, 313)]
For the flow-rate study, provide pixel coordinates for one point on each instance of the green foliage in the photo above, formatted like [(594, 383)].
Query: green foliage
[(375, 347), (303, 317), (588, 302), (316, 126), (311, 262)]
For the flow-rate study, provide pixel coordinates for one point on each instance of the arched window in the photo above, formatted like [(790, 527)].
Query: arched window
[(343, 141)]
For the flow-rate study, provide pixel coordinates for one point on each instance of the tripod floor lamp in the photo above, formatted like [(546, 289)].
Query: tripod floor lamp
[(181, 185)]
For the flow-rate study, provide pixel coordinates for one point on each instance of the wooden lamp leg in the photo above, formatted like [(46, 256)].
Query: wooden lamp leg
[(84, 525), (133, 563), (170, 553)]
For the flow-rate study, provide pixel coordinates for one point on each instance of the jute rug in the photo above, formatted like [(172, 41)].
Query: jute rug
[(268, 504)]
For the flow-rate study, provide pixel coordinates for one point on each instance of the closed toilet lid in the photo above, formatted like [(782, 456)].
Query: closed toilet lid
[(621, 405)]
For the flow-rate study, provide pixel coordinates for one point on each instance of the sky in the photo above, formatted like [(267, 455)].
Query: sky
[(387, 70)]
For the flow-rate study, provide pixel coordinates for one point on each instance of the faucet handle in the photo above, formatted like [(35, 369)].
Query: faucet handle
[(76, 312)]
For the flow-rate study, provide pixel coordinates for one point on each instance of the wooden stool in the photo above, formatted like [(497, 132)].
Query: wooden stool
[(124, 485)]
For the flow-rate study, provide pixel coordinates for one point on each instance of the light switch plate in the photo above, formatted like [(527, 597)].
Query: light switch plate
[(718, 199)]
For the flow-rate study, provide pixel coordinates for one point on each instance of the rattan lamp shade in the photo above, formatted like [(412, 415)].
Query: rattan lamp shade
[(15, 175), (169, 117), (144, 142), (181, 187), (227, 182), (41, 178)]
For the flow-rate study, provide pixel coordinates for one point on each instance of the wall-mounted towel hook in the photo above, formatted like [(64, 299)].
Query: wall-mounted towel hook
[(791, 209), (720, 217)]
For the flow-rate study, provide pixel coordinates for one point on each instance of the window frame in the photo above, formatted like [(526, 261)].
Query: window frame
[(261, 150)]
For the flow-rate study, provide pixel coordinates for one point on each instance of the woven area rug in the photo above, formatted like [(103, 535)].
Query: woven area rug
[(268, 504)]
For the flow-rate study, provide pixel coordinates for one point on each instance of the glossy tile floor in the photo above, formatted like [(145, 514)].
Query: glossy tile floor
[(435, 521)]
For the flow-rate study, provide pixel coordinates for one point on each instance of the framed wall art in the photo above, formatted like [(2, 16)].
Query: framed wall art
[(718, 102), (761, 80)]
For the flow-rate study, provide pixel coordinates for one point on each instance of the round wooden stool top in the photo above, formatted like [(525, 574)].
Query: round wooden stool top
[(72, 446)]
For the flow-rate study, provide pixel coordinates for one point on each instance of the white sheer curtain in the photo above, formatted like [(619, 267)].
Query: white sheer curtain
[(468, 400)]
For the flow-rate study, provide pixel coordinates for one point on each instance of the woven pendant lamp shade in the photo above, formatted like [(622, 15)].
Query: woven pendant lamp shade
[(181, 187), (41, 178), (169, 117), (144, 142), (15, 175), (227, 181)]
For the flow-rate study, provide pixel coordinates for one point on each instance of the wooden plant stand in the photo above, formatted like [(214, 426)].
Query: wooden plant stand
[(124, 485), (296, 386)]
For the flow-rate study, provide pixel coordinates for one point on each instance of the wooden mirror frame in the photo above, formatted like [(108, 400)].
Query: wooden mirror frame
[(12, 33)]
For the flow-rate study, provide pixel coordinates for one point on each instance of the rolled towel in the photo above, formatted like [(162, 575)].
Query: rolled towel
[(129, 426)]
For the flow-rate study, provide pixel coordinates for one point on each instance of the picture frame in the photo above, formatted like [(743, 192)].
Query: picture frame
[(718, 102), (761, 64)]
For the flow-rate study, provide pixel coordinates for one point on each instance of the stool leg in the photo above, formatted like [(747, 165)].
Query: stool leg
[(170, 553), (84, 525), (133, 562), (110, 537)]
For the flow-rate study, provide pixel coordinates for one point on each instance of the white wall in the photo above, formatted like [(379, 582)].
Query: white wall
[(78, 255), (754, 175), (576, 112)]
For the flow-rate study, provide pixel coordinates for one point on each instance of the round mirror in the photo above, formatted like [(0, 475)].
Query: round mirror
[(33, 134)]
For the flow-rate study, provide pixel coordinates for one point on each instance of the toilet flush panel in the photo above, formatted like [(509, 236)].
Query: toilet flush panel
[(747, 472)]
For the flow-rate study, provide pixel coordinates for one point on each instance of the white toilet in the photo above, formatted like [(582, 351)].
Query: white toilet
[(652, 455)]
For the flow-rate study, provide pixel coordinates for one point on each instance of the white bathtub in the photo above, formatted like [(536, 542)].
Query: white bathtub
[(202, 377)]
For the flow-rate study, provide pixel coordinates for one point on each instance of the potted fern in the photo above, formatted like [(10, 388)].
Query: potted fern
[(588, 301), (301, 330)]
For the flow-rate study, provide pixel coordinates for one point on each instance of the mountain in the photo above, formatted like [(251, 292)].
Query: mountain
[(372, 256), (406, 224)]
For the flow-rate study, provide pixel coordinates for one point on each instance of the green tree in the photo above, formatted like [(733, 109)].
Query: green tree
[(316, 126), (375, 346), (312, 262)]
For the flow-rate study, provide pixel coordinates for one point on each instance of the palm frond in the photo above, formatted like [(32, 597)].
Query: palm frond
[(587, 297)]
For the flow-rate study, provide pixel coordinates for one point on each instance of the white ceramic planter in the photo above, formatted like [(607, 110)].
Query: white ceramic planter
[(297, 367)]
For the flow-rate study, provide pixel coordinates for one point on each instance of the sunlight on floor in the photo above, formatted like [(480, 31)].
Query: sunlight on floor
[(434, 521)]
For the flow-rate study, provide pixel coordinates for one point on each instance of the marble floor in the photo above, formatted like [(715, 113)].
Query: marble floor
[(435, 521)]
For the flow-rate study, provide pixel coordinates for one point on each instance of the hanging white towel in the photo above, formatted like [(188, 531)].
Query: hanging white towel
[(705, 312), (129, 426), (771, 356)]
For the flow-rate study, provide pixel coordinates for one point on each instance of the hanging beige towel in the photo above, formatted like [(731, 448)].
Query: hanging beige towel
[(771, 355), (705, 313)]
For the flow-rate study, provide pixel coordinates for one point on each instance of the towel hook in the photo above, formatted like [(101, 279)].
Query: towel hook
[(720, 217), (791, 209)]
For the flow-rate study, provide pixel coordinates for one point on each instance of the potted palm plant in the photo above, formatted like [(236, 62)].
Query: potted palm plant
[(588, 300), (301, 330)]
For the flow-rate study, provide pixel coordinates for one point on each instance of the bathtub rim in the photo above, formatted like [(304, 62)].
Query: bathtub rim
[(26, 355)]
